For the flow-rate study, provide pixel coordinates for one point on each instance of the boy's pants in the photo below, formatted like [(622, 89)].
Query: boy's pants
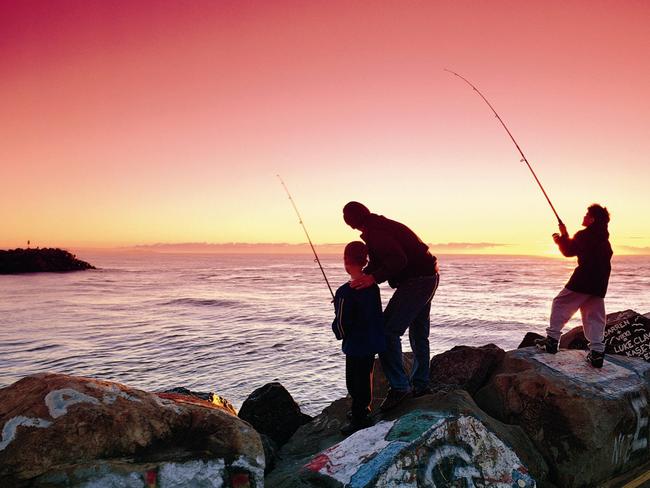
[(592, 309), (358, 379)]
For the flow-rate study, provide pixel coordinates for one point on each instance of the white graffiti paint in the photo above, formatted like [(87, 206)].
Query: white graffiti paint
[(198, 473), (112, 393), (11, 426), (58, 401), (114, 480), (256, 470), (342, 460), (466, 473), (627, 444)]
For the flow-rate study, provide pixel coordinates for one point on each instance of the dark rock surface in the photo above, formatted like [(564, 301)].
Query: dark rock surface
[(589, 424), (17, 261), (464, 367), (529, 339), (61, 430), (272, 411)]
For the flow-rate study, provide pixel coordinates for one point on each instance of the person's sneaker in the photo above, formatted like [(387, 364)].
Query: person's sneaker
[(418, 392), (354, 425), (596, 358), (547, 344), (393, 398)]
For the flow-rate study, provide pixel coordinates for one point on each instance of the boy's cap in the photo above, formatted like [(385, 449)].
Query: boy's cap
[(354, 213), (356, 252)]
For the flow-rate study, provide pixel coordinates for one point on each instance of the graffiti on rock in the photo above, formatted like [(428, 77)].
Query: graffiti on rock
[(625, 445), (423, 449), (10, 427)]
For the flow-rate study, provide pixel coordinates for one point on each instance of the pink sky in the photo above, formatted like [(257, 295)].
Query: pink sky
[(143, 122)]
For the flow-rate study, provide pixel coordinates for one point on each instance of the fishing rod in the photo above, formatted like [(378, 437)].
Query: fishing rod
[(307, 234), (559, 220)]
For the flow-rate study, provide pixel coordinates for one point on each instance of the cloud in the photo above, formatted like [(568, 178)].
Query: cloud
[(635, 249), (466, 246)]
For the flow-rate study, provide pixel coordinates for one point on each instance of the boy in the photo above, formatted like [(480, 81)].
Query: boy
[(359, 324), (588, 285)]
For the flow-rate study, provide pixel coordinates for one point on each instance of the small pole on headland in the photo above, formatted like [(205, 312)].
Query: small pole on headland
[(559, 220), (307, 234), (28, 244)]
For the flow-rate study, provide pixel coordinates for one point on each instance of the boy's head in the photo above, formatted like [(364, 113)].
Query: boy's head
[(597, 214), (355, 255)]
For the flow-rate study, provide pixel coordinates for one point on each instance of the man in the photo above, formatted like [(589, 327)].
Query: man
[(397, 255), (587, 287)]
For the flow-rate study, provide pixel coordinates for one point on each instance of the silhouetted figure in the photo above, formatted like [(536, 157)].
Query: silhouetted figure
[(360, 325), (397, 255), (587, 286)]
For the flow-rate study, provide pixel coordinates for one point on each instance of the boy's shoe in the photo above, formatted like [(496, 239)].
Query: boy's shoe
[(418, 392), (596, 358), (547, 344), (393, 398), (353, 425)]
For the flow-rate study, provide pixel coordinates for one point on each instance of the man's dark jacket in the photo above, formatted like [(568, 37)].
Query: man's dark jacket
[(396, 253), (594, 252)]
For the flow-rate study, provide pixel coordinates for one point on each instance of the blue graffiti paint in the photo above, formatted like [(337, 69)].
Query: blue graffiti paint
[(370, 470)]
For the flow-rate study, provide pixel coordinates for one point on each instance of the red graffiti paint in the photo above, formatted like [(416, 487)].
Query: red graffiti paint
[(318, 463), (240, 480), (151, 478)]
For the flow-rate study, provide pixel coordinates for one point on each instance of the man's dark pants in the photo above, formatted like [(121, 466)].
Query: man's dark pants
[(409, 308)]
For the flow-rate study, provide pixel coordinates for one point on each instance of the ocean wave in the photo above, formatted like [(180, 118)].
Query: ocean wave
[(202, 302)]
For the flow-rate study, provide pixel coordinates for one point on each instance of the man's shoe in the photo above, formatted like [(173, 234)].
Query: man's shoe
[(355, 425), (596, 358), (547, 344), (418, 392), (393, 399)]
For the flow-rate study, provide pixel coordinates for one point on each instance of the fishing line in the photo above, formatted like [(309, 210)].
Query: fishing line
[(559, 220), (307, 234)]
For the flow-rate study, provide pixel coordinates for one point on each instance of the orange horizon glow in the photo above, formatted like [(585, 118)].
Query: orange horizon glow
[(164, 122)]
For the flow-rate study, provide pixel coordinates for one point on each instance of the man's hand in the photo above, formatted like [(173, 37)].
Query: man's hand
[(556, 238), (364, 282), (563, 231)]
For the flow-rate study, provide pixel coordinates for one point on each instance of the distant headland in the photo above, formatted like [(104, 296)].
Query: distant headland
[(15, 261)]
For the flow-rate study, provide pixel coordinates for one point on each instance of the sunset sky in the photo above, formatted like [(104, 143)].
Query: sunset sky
[(144, 122)]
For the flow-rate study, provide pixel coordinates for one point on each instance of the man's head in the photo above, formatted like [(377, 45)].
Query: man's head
[(354, 214), (355, 256), (596, 214)]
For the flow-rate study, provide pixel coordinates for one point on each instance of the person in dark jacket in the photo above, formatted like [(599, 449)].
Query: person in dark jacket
[(397, 255), (360, 325), (587, 286)]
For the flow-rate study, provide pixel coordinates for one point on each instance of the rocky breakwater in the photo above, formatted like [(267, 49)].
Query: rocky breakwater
[(17, 261), (59, 430), (501, 419)]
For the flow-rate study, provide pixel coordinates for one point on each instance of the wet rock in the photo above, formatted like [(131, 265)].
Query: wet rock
[(436, 440), (59, 430), (589, 424), (272, 411), (529, 339), (213, 398), (464, 367), (38, 260)]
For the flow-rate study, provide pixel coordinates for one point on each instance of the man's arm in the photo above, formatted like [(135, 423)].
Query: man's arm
[(387, 260)]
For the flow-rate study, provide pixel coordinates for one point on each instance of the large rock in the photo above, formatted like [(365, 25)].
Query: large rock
[(628, 333), (465, 367), (59, 430), (436, 440), (272, 411), (589, 424), (211, 397)]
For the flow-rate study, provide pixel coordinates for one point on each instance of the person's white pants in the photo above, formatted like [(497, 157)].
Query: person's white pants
[(592, 310)]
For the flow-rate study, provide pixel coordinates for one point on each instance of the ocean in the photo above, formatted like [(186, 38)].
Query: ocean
[(232, 323)]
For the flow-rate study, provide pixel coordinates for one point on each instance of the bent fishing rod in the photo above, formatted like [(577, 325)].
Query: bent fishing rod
[(559, 220), (307, 234)]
